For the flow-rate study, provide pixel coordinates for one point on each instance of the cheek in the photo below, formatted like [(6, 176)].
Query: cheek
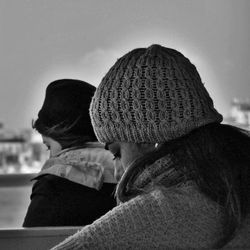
[(128, 155), (125, 161), (54, 149), (118, 169)]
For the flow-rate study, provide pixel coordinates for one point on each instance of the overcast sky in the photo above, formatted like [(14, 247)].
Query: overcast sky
[(44, 40)]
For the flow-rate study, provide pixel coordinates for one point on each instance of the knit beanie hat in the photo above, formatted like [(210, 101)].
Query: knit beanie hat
[(66, 105), (151, 95)]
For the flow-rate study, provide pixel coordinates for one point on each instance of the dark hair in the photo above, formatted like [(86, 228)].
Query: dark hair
[(64, 134), (217, 158)]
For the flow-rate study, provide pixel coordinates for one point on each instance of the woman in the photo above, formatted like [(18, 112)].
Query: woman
[(76, 184), (187, 177)]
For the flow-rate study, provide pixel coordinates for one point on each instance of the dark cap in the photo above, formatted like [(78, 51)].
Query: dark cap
[(66, 104)]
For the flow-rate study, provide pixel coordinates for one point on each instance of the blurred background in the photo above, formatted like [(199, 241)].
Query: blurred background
[(44, 40)]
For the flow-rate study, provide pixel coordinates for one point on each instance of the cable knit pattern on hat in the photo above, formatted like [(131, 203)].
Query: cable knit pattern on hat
[(151, 94)]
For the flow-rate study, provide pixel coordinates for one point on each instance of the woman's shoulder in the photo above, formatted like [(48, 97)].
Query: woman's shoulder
[(161, 217), (185, 195), (49, 181), (54, 183), (184, 205), (178, 202)]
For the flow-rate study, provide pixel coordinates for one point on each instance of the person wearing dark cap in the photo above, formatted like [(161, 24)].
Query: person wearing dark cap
[(186, 183), (76, 184)]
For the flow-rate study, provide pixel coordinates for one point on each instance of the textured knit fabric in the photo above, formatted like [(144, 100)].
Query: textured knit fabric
[(178, 217), (89, 166), (170, 219), (241, 241), (151, 95), (74, 188)]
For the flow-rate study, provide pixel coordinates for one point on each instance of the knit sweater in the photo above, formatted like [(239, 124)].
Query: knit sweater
[(178, 217), (163, 219)]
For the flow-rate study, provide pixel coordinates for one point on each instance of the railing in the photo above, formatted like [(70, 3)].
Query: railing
[(15, 191), (38, 238), (10, 180)]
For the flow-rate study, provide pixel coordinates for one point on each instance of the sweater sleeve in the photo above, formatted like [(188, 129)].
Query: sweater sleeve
[(132, 224), (173, 219)]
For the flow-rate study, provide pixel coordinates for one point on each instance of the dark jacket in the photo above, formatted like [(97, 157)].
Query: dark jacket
[(56, 201), (73, 189)]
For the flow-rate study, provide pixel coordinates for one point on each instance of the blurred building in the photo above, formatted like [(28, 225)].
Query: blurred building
[(239, 114), (20, 152)]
